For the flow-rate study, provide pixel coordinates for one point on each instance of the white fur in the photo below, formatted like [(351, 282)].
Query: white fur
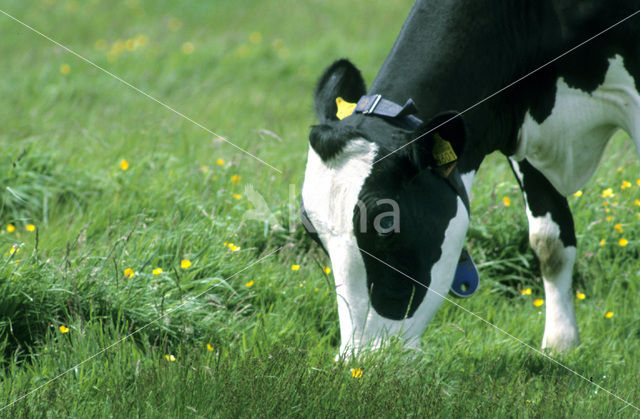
[(561, 327), (370, 330), (566, 148), (568, 145), (467, 181), (330, 193)]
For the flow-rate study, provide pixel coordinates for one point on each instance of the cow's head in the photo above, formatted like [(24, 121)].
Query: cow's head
[(393, 229)]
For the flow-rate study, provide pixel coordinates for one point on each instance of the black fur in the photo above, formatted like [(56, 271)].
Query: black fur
[(543, 198), (341, 79), (451, 55), (329, 140), (449, 126)]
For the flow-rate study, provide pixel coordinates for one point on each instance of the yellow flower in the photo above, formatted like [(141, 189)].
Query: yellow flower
[(623, 242), (625, 184), (605, 204), (128, 273), (356, 372), (506, 201), (209, 347), (580, 295), (170, 358), (526, 291), (538, 302), (174, 24), (116, 48), (607, 193), (65, 69), (188, 48), (255, 37), (242, 51), (578, 194), (30, 227), (233, 247), (141, 40), (63, 329), (295, 267), (618, 227), (124, 164), (237, 196), (157, 271), (283, 53), (609, 218), (185, 263), (609, 314), (326, 270), (235, 179), (602, 242), (250, 284), (11, 228), (637, 202), (101, 44), (220, 162), (638, 182), (14, 249)]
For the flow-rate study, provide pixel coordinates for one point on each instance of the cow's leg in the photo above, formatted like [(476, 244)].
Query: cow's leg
[(552, 237)]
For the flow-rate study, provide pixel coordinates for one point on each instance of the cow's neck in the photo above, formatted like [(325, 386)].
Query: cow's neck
[(450, 55)]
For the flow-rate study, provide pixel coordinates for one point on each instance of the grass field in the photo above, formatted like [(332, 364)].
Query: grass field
[(247, 336)]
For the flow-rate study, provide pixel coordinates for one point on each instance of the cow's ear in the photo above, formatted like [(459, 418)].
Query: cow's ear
[(342, 79), (439, 143)]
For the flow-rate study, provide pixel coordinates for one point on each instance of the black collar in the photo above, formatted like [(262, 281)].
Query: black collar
[(402, 116)]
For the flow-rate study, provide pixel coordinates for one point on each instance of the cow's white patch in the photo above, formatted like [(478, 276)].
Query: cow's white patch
[(330, 193), (366, 329), (568, 145), (561, 327), (467, 181)]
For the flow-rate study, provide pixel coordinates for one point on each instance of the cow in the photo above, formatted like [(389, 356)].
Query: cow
[(386, 194)]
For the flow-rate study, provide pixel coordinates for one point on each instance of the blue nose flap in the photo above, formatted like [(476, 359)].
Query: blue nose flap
[(466, 279)]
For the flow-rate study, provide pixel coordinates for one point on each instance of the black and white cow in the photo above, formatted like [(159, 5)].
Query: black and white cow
[(553, 125)]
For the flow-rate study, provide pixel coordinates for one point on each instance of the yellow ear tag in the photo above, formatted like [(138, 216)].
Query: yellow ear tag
[(344, 108), (442, 151)]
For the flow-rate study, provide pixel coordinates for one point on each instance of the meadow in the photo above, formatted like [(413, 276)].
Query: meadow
[(131, 284)]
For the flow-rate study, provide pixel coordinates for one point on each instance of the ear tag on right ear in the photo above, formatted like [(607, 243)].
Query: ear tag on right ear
[(442, 151), (344, 108)]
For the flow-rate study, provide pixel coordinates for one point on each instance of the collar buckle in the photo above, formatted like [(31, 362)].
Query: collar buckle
[(369, 103)]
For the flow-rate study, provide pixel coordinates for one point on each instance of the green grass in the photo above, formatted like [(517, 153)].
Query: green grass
[(63, 137)]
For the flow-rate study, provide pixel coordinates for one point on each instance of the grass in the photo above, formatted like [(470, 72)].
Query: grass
[(246, 70)]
